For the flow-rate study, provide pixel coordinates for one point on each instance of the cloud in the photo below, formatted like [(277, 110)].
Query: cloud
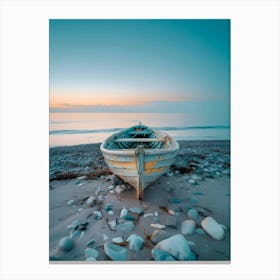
[(213, 109)]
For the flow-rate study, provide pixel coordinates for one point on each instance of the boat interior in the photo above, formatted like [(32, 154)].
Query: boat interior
[(138, 135)]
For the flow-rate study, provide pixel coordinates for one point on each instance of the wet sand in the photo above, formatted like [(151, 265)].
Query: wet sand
[(199, 179)]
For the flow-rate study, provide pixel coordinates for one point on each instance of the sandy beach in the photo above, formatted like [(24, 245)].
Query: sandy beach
[(90, 206)]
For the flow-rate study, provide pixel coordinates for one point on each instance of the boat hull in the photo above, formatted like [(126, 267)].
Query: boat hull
[(139, 167)]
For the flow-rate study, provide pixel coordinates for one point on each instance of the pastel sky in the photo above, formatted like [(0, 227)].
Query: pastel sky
[(139, 65)]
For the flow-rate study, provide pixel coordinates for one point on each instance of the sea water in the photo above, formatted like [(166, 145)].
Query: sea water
[(83, 128)]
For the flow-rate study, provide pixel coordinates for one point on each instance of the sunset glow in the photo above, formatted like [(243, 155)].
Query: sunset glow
[(142, 65)]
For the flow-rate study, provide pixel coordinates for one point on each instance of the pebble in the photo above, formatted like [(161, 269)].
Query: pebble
[(91, 253), (80, 209), (156, 214), (66, 244), (159, 235), (158, 226), (82, 178), (108, 207), (111, 187), (214, 229), (111, 212), (75, 233), (169, 174), (111, 191), (174, 200), (128, 218), (119, 189), (115, 252), (80, 184), (91, 243), (148, 215), (127, 226), (193, 182), (203, 211), (173, 212), (136, 210), (113, 224), (176, 246), (177, 172), (124, 212), (97, 215), (193, 214), (160, 255), (71, 202), (192, 199), (90, 199), (117, 239), (187, 227), (105, 237), (100, 198), (136, 242), (74, 224), (170, 221)]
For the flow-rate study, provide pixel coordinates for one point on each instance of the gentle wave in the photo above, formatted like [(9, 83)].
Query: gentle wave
[(73, 131)]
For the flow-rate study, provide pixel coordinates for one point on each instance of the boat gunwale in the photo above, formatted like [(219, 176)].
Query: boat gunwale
[(131, 152)]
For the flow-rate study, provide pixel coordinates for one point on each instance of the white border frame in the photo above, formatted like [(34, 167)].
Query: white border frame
[(254, 135)]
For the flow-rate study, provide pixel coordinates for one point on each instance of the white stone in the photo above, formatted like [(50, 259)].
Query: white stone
[(214, 229), (136, 242), (187, 227), (90, 199), (117, 239), (176, 246), (70, 202), (113, 224), (124, 212), (82, 178), (74, 224), (172, 212), (97, 215), (158, 226), (119, 188)]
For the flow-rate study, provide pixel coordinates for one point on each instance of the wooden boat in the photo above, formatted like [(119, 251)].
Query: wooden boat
[(139, 155)]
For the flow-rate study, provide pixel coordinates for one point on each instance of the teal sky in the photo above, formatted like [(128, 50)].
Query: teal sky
[(126, 65)]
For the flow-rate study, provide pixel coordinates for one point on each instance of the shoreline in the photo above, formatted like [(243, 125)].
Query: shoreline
[(199, 180), (68, 162)]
